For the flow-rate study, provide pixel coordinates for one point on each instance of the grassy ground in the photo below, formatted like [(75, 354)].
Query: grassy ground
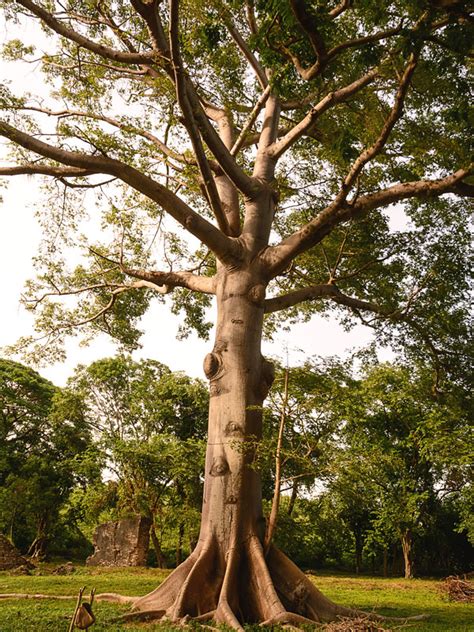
[(391, 597)]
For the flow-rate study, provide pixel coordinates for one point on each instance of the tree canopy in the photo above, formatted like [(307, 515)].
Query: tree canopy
[(258, 152)]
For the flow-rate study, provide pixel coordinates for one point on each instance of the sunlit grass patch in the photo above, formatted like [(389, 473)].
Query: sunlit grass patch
[(390, 597)]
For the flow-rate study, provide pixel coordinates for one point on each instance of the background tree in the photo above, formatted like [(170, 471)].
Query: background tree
[(394, 423), (276, 134), (149, 424), (43, 455)]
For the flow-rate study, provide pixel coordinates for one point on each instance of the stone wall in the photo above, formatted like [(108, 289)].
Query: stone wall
[(122, 543), (9, 556)]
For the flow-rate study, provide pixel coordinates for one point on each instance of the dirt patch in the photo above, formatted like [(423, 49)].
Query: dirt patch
[(361, 624)]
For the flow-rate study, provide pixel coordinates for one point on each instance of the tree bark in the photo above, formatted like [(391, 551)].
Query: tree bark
[(293, 497), (407, 548), (160, 558), (228, 577)]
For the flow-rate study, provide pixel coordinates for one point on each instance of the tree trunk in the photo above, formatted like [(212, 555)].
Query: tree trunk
[(385, 561), (407, 548), (179, 545), (227, 577), (160, 558), (293, 497), (358, 550)]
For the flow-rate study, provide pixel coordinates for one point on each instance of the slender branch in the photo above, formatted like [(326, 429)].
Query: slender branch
[(395, 114), (249, 56), (375, 37), (190, 122), (65, 113), (224, 247), (104, 51), (250, 120), (329, 101)]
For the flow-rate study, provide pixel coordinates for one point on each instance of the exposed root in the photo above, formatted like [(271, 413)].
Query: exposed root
[(244, 586), (288, 618), (111, 597), (146, 615), (36, 596), (194, 588)]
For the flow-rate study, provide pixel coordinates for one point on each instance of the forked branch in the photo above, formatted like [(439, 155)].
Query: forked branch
[(278, 257), (223, 246)]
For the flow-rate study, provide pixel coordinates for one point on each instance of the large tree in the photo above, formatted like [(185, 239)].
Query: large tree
[(280, 135)]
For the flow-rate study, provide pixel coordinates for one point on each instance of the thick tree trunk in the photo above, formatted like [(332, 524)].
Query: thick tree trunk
[(407, 548), (228, 577)]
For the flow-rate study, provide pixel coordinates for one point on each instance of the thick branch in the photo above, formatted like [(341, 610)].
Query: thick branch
[(32, 168), (278, 257), (174, 279), (341, 7), (333, 293), (104, 51), (224, 247)]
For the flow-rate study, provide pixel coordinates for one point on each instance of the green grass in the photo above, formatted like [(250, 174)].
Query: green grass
[(391, 597)]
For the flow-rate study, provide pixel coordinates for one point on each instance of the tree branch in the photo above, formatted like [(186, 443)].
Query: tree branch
[(171, 280), (190, 122), (250, 120), (247, 53), (278, 257), (226, 248), (396, 112), (309, 25), (329, 101), (341, 7), (33, 168), (104, 51), (164, 149)]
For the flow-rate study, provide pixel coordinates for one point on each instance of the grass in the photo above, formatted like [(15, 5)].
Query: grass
[(391, 597)]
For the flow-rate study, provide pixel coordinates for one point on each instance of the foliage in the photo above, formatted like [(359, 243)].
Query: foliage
[(45, 445), (148, 424)]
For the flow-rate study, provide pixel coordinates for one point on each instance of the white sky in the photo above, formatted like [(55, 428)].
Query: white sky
[(20, 236)]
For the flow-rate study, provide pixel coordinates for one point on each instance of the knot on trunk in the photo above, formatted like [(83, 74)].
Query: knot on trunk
[(219, 467), (212, 365)]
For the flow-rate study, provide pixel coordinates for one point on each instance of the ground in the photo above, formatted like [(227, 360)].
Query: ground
[(391, 597)]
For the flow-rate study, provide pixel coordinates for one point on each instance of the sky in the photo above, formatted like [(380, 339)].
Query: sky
[(20, 236)]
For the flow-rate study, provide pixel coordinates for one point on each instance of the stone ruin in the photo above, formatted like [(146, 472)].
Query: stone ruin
[(121, 543), (9, 555)]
